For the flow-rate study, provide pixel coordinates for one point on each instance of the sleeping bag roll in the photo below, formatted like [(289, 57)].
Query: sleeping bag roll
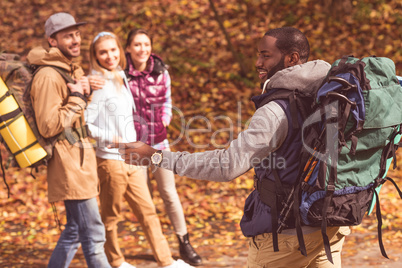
[(16, 131)]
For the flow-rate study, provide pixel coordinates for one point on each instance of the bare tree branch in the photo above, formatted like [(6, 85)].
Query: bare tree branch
[(243, 69)]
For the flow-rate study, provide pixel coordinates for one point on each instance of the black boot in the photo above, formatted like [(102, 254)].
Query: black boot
[(187, 252)]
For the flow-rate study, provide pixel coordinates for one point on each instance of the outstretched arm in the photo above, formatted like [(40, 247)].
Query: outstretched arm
[(135, 153), (267, 131)]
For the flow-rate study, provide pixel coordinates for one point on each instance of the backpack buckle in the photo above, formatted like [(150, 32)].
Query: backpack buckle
[(306, 187), (331, 188)]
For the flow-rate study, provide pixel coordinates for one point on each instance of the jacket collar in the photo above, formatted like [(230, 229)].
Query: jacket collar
[(154, 65), (40, 56)]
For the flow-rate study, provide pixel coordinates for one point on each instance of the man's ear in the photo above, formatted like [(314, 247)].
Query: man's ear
[(292, 59), (52, 42)]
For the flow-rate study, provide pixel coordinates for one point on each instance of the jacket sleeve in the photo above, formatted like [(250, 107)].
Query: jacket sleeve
[(93, 116), (54, 109), (167, 105), (267, 131)]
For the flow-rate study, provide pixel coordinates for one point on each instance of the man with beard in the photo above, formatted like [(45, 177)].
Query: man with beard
[(272, 146), (59, 113)]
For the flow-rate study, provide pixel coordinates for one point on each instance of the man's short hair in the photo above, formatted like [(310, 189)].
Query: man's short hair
[(289, 39)]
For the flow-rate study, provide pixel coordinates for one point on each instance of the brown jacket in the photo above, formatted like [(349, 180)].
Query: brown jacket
[(71, 172)]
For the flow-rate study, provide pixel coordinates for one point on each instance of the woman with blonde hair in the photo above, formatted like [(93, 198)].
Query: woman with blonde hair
[(110, 118)]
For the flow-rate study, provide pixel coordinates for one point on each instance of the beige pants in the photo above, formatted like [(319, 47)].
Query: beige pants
[(166, 183), (262, 255), (118, 179)]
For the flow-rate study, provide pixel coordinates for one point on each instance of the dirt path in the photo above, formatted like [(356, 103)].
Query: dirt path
[(361, 250)]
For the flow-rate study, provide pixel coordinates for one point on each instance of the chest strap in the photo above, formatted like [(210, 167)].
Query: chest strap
[(74, 134)]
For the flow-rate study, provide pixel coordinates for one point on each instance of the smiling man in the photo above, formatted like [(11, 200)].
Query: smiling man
[(59, 111), (279, 49), (272, 147)]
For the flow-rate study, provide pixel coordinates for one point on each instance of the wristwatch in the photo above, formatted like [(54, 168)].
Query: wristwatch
[(156, 158)]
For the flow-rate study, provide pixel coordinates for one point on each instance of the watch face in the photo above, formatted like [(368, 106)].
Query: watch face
[(156, 158)]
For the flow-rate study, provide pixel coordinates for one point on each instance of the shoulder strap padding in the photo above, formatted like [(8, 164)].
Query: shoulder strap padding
[(61, 71), (299, 103)]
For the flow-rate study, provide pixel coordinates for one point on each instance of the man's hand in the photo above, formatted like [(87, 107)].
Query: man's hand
[(77, 87), (96, 82), (135, 153)]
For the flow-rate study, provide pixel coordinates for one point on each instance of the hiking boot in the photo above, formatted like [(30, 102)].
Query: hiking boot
[(187, 252)]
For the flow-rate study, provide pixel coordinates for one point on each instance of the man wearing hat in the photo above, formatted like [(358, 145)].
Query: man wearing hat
[(59, 113)]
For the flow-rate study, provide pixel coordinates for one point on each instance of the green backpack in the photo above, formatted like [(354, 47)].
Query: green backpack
[(350, 137)]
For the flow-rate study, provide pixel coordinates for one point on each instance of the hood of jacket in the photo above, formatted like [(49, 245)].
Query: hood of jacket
[(304, 77), (54, 57)]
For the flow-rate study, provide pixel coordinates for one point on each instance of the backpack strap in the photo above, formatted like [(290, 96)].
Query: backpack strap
[(296, 105), (61, 71), (396, 186), (347, 105), (327, 201), (390, 151), (272, 194), (267, 190), (8, 93), (25, 148), (378, 214), (67, 78), (343, 117), (293, 110), (74, 134), (305, 172), (71, 134), (280, 93), (4, 174), (298, 223), (13, 115), (332, 178), (379, 225), (280, 195), (56, 216)]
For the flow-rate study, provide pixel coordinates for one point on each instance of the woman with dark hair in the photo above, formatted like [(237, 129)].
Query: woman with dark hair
[(150, 86)]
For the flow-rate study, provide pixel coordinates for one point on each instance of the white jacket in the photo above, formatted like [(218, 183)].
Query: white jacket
[(109, 116)]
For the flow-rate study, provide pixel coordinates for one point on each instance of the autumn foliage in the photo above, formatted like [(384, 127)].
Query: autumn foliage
[(210, 46)]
